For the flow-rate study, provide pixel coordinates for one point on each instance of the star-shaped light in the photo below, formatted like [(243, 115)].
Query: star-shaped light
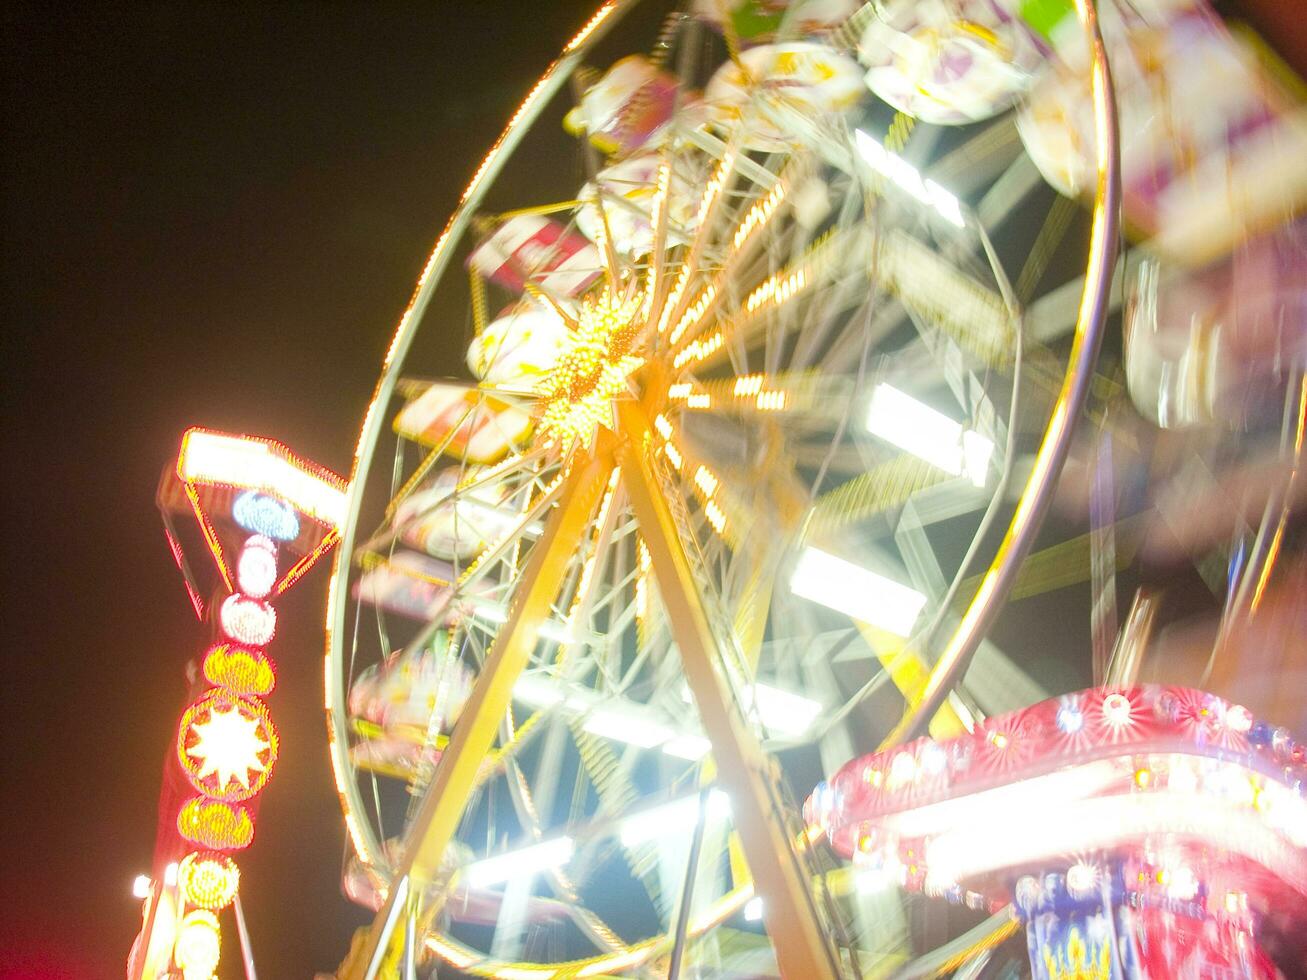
[(233, 741), (593, 365)]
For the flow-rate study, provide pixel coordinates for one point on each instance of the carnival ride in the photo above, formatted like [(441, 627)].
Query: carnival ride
[(253, 504), (766, 402)]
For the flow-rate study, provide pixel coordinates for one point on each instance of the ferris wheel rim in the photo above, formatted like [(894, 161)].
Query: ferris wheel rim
[(367, 844)]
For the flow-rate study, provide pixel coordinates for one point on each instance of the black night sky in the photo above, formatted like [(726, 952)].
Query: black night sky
[(214, 214)]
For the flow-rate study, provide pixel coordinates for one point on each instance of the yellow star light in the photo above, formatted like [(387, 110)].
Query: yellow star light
[(593, 366), (227, 745)]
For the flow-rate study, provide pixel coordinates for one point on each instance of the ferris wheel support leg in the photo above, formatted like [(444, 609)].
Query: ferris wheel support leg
[(470, 741), (802, 949)]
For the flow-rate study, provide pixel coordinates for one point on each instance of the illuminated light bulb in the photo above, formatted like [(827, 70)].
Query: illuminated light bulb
[(260, 514), (252, 622), (591, 369), (239, 670), (706, 481), (874, 777), (198, 945), (998, 740), (902, 769), (1116, 710), (1238, 718), (142, 886), (208, 880), (256, 569), (753, 910), (1070, 719), (1236, 902), (1082, 880), (715, 516), (933, 759), (1182, 884), (1143, 777), (227, 745), (215, 825), (170, 874)]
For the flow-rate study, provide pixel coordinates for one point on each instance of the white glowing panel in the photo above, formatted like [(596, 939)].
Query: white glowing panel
[(624, 726), (690, 747), (521, 863), (781, 712), (537, 692), (909, 179), (253, 464), (676, 818), (856, 592), (915, 427)]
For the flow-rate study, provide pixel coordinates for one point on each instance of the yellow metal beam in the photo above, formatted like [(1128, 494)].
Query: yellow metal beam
[(802, 949), (471, 740)]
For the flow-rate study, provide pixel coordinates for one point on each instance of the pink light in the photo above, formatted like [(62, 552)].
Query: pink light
[(252, 622)]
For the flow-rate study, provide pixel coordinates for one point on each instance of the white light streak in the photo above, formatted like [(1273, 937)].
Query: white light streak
[(626, 726), (856, 592), (254, 464), (782, 712), (909, 179), (915, 427), (675, 818), (689, 747), (521, 863)]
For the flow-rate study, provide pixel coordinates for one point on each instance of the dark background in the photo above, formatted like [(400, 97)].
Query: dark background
[(213, 214)]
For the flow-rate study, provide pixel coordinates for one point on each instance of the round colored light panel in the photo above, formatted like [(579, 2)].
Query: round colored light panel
[(215, 825), (198, 944), (239, 670), (260, 514), (227, 745), (208, 880), (256, 569), (252, 622)]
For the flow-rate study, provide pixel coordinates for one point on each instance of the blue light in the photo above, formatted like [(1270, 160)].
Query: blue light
[(1070, 719), (260, 514)]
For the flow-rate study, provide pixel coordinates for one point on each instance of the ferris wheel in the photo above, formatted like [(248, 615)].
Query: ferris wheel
[(776, 333)]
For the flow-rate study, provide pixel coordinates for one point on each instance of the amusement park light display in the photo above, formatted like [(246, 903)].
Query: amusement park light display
[(226, 744), (239, 669), (208, 881), (247, 620), (198, 945), (593, 367), (215, 825), (1165, 809)]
